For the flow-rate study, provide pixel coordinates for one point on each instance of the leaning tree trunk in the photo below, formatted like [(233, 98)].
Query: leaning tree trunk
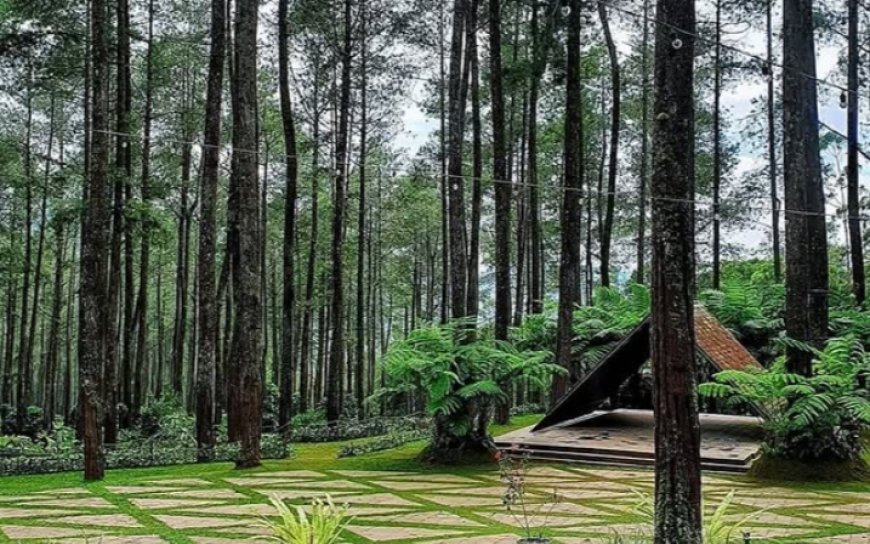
[(806, 301), (246, 233), (572, 210), (615, 85), (678, 510), (209, 315), (96, 223)]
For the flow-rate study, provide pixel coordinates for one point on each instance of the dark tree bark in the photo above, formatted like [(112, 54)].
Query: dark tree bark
[(288, 263), (640, 275), (613, 165), (806, 301), (246, 232), (9, 343), (503, 190), (457, 236), (473, 65), (337, 347), (572, 210), (209, 314), (96, 222), (182, 268), (678, 509), (306, 351), (23, 328), (359, 341), (136, 391), (442, 135), (49, 405), (856, 238), (771, 148), (717, 148)]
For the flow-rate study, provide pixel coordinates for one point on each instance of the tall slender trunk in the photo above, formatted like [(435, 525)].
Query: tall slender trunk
[(613, 165), (717, 147), (457, 236), (136, 391), (182, 270), (806, 301), (67, 401), (9, 343), (361, 218), (23, 328), (771, 148), (640, 275), (96, 222), (442, 135), (49, 406), (246, 238), (337, 348), (306, 351), (856, 238), (288, 263), (571, 213), (209, 314), (473, 64), (678, 510)]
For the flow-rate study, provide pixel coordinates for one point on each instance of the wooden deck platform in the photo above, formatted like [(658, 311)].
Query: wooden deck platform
[(625, 438)]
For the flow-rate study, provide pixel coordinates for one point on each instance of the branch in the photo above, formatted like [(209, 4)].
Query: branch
[(836, 132)]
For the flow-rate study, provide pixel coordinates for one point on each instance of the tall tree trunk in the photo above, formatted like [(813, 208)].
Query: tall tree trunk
[(92, 305), (473, 64), (442, 135), (209, 314), (640, 275), (457, 238), (49, 406), (771, 148), (9, 344), (136, 391), (288, 263), (503, 189), (572, 211), (245, 228), (359, 341), (23, 328), (337, 348), (182, 268), (717, 147), (856, 239), (678, 510), (613, 165), (806, 301), (539, 56), (306, 351)]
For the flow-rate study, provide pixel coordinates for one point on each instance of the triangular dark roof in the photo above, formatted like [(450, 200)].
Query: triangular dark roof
[(715, 343)]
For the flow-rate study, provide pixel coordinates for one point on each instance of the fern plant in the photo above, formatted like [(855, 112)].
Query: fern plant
[(323, 525), (458, 377), (820, 417)]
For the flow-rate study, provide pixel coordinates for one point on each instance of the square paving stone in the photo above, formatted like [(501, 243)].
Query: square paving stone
[(16, 532), (428, 518), (197, 522), (149, 503), (8, 513), (103, 520), (383, 534)]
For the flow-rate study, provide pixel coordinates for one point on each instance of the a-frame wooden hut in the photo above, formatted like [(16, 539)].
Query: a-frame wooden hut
[(576, 430)]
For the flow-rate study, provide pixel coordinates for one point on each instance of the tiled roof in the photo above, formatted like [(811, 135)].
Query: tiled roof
[(719, 345)]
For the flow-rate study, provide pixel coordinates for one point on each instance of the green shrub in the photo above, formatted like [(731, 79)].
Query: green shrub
[(323, 525), (459, 376)]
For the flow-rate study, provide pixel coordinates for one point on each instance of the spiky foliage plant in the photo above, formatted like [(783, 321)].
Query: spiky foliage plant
[(820, 417), (293, 525)]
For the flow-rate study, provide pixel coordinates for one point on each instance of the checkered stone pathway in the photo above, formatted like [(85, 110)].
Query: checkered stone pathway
[(410, 507)]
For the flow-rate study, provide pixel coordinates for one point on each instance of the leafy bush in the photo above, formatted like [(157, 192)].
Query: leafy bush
[(323, 525), (166, 417), (355, 429), (821, 417), (458, 376)]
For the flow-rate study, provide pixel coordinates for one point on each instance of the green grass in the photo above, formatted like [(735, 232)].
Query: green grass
[(322, 458)]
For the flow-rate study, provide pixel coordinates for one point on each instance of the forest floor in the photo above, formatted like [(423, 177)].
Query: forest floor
[(393, 498)]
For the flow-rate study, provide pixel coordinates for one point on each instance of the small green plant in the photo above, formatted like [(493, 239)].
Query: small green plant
[(530, 515), (323, 525), (718, 529)]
